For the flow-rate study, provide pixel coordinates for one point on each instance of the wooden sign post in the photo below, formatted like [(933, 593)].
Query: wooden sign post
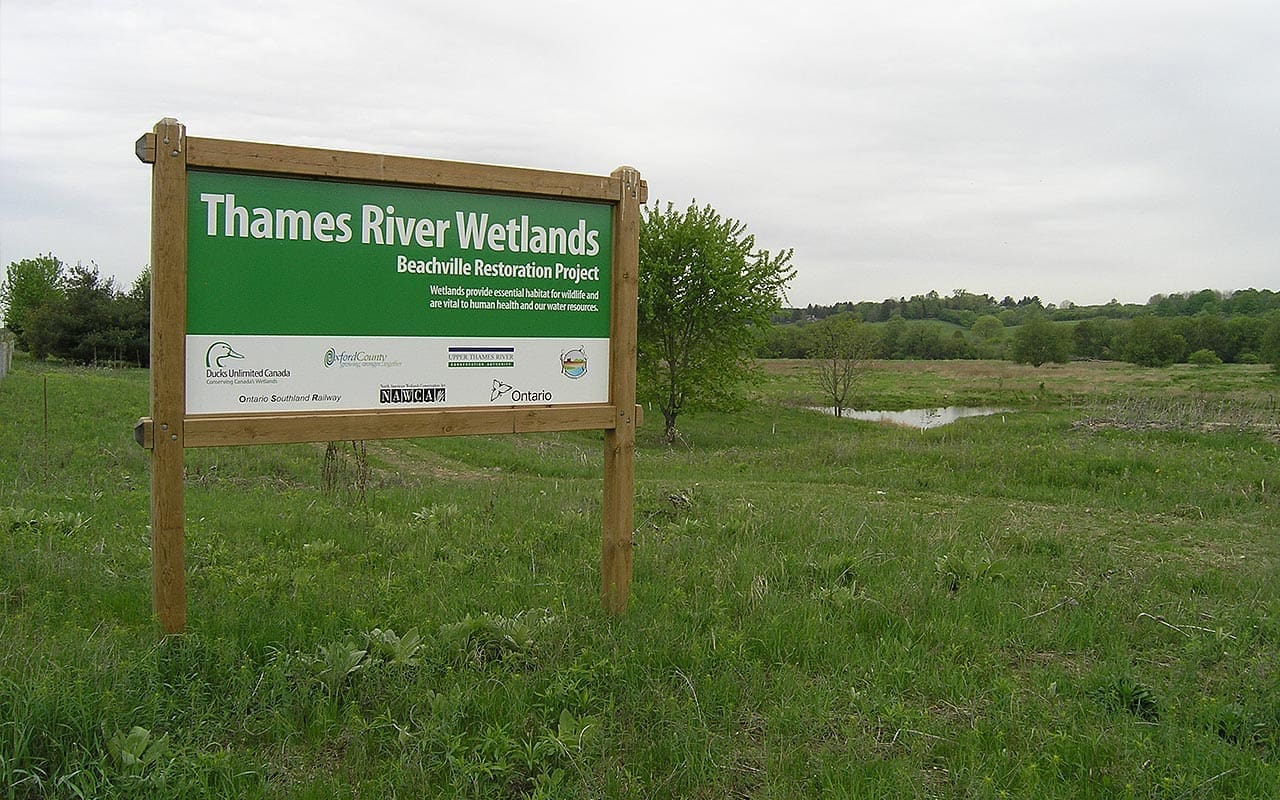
[(307, 295)]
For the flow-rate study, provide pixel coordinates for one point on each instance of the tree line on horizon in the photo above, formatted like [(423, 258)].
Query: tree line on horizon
[(73, 313), (1205, 327), (963, 308)]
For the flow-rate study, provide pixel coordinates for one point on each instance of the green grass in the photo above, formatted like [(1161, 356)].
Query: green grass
[(1077, 599)]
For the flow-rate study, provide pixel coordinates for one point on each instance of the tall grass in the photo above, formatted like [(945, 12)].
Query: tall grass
[(1023, 606)]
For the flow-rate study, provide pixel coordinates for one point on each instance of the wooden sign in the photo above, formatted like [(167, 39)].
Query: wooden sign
[(306, 295)]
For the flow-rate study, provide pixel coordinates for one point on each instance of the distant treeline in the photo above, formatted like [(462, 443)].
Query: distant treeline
[(963, 308), (1205, 326), (75, 314)]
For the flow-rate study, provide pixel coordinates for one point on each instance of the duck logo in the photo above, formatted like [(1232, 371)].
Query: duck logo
[(218, 351), (573, 363)]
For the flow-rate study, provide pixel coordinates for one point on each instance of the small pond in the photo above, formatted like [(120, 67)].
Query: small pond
[(922, 418)]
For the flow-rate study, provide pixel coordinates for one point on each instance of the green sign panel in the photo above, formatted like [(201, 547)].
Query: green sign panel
[(290, 257)]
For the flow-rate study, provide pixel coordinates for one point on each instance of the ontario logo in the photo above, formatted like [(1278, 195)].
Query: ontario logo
[(573, 363), (514, 395), (217, 353)]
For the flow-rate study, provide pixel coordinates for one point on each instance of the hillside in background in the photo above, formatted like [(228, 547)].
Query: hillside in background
[(1207, 326), (963, 308)]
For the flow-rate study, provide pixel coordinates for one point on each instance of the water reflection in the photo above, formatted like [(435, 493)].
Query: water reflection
[(922, 418)]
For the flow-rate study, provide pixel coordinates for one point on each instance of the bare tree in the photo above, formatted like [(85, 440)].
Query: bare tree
[(842, 345)]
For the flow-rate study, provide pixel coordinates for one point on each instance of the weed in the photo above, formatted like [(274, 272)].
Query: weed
[(347, 473), (1121, 692), (492, 638), (138, 753), (335, 663), (398, 650), (958, 569)]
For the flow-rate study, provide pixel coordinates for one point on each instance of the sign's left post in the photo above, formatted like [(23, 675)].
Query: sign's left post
[(165, 149)]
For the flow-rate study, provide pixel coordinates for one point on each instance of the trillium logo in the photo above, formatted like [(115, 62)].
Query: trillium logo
[(515, 395), (218, 351), (499, 389)]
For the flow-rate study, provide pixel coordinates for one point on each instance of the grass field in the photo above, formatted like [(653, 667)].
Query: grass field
[(1080, 598)]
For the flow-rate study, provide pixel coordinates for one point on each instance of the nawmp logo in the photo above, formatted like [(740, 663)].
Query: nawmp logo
[(219, 352), (573, 363)]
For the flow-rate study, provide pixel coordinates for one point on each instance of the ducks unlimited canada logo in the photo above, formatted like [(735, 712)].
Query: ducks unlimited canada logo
[(220, 367), (573, 363), (217, 353)]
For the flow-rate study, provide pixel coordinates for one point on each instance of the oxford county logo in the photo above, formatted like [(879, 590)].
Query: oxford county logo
[(357, 358), (219, 352), (573, 363)]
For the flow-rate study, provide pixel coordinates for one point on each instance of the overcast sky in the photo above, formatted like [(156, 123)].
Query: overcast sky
[(1074, 150)]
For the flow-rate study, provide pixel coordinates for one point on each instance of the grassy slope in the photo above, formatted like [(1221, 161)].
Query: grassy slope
[(1066, 601)]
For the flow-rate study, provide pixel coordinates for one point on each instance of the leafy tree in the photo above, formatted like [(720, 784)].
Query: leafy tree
[(990, 332), (1039, 341), (86, 319), (28, 284), (786, 341), (1271, 342), (920, 340), (1150, 342), (841, 346), (1094, 338), (706, 292), (1244, 335), (1204, 331), (988, 327), (890, 335)]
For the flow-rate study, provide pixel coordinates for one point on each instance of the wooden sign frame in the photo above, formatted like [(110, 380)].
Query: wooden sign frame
[(170, 429)]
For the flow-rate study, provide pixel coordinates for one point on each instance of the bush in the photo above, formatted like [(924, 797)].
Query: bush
[(1039, 341), (1204, 358)]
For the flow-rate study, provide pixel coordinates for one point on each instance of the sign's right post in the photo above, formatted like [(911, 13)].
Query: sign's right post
[(620, 442)]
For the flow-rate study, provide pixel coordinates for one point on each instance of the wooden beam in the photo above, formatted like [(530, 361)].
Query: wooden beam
[(223, 430), (168, 371), (620, 442), (145, 148), (273, 159), (144, 433)]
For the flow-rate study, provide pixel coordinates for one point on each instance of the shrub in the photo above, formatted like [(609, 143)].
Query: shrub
[(1204, 358)]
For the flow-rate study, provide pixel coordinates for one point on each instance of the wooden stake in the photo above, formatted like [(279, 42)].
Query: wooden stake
[(620, 441), (168, 371)]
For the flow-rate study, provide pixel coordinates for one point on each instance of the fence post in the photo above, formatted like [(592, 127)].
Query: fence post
[(620, 442), (168, 371)]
